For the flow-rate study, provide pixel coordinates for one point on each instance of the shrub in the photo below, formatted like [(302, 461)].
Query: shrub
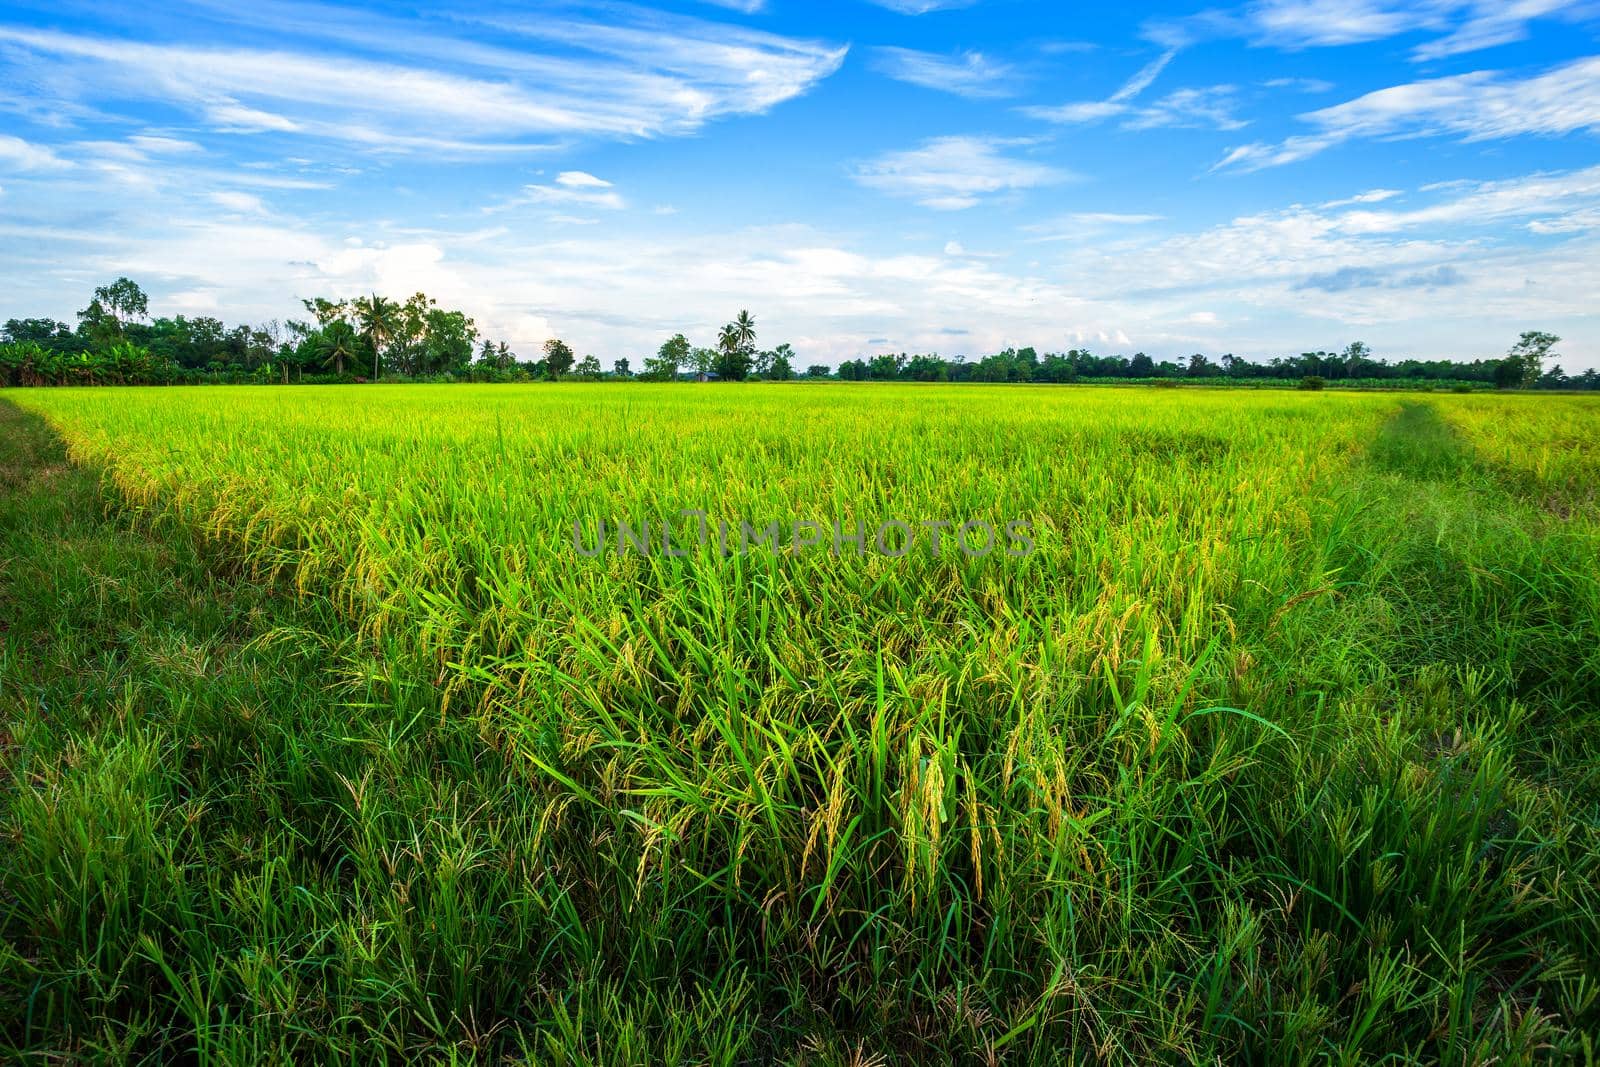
[(1313, 382)]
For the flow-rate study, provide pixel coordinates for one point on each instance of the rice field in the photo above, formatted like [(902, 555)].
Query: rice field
[(384, 722)]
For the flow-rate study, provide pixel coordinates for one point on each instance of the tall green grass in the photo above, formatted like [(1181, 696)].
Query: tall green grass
[(1278, 749)]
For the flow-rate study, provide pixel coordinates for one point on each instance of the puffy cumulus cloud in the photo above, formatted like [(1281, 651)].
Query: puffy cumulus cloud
[(1435, 271), (1440, 278)]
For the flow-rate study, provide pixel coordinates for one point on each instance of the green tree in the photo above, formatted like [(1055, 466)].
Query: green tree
[(744, 328), (327, 312), (1356, 358), (446, 344), (378, 316), (335, 343), (47, 333), (1509, 372), (1531, 350), (887, 367), (123, 300), (558, 357), (733, 358), (703, 360), (781, 367), (673, 353), (588, 368)]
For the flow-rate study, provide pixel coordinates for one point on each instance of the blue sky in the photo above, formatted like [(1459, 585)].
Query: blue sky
[(1262, 177)]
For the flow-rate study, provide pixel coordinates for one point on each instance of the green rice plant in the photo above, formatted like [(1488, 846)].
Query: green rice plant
[(1277, 748)]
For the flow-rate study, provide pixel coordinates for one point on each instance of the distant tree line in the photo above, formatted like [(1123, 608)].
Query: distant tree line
[(367, 338), (1522, 367), (116, 342)]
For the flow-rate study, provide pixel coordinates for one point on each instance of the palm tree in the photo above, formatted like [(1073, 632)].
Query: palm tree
[(744, 328), (378, 315), (336, 343), (732, 365)]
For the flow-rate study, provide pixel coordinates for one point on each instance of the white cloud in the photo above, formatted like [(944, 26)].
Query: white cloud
[(657, 75), (1440, 277), (229, 117), (1303, 23), (1372, 196), (570, 188), (1482, 105), (969, 74), (1210, 107), (1300, 85), (1143, 79), (1083, 225), (1466, 25), (577, 179), (1490, 203), (1119, 103), (1296, 24), (1497, 22), (952, 173), (921, 7), (243, 203), (1413, 282), (17, 154)]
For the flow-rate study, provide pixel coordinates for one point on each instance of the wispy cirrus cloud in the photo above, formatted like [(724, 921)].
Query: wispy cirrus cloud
[(1085, 225), (1533, 200), (1497, 22), (1462, 25), (969, 74), (1207, 107), (571, 188), (921, 7), (953, 173), (1480, 106), (19, 155), (1118, 103), (653, 76)]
